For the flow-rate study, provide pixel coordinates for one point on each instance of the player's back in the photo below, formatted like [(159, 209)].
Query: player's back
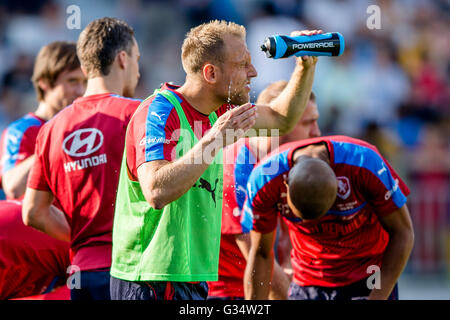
[(81, 151)]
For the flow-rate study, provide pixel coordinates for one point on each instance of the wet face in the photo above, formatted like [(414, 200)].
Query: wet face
[(307, 127), (132, 71), (237, 72), (68, 86)]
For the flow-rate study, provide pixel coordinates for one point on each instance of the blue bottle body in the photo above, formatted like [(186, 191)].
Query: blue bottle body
[(281, 46)]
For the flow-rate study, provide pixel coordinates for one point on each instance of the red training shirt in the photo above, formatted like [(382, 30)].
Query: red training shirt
[(79, 153)]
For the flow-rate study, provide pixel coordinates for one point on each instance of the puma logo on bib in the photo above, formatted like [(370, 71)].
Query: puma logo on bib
[(204, 184)]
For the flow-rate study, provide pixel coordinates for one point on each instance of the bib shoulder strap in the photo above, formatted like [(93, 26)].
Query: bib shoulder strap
[(174, 101)]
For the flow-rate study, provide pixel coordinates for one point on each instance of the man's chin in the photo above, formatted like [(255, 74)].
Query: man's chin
[(63, 105), (240, 100)]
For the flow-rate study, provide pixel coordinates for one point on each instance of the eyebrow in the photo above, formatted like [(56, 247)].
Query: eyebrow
[(245, 58)]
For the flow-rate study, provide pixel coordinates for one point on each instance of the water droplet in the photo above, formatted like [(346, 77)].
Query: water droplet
[(229, 107)]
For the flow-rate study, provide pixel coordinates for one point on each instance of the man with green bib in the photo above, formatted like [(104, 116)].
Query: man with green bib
[(166, 232)]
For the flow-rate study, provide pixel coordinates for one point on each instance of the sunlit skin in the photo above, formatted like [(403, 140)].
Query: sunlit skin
[(132, 72), (307, 127), (237, 72), (318, 151), (68, 86)]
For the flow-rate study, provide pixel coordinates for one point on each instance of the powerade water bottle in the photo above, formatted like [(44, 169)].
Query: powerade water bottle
[(326, 44)]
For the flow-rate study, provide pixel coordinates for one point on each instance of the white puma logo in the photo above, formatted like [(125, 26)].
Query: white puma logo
[(241, 188), (382, 169), (153, 113)]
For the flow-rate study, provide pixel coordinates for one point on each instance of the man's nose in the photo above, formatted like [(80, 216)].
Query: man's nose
[(315, 131), (252, 72)]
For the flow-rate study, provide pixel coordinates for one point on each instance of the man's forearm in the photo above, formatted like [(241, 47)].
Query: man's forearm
[(286, 110), (257, 277), (291, 103), (51, 221), (14, 181), (280, 284), (394, 261), (163, 182), (280, 281), (172, 180)]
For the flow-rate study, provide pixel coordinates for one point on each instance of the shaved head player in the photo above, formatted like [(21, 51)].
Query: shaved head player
[(346, 211)]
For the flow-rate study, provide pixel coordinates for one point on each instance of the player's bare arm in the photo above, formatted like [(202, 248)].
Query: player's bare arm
[(259, 266), (285, 111), (280, 281), (284, 248), (163, 181), (39, 213), (279, 286), (401, 240), (14, 181)]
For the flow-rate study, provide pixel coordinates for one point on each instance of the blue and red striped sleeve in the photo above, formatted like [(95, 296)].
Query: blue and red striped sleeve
[(18, 142), (263, 193), (238, 164), (380, 184), (152, 133)]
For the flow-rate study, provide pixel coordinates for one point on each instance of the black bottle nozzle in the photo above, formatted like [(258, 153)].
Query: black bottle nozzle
[(266, 47)]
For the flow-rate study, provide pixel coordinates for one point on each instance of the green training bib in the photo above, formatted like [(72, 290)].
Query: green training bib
[(179, 242)]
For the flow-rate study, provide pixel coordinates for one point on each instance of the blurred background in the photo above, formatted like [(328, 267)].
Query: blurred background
[(390, 87)]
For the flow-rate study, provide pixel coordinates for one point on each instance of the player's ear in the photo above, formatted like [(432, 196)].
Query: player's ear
[(210, 73), (84, 71), (285, 181), (122, 59), (44, 85)]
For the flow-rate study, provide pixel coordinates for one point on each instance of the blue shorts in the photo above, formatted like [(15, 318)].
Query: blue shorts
[(94, 285), (355, 291), (157, 290)]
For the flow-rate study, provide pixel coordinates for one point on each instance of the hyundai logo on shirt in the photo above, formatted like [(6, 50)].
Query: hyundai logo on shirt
[(90, 137)]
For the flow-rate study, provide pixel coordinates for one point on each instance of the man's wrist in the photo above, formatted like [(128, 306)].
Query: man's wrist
[(304, 65), (213, 139), (206, 150)]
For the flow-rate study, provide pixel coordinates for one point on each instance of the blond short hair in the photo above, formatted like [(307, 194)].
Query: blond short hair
[(205, 43), (273, 90)]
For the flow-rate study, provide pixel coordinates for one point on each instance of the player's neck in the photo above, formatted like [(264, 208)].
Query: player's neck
[(319, 151), (199, 97), (261, 146), (45, 111), (100, 85)]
